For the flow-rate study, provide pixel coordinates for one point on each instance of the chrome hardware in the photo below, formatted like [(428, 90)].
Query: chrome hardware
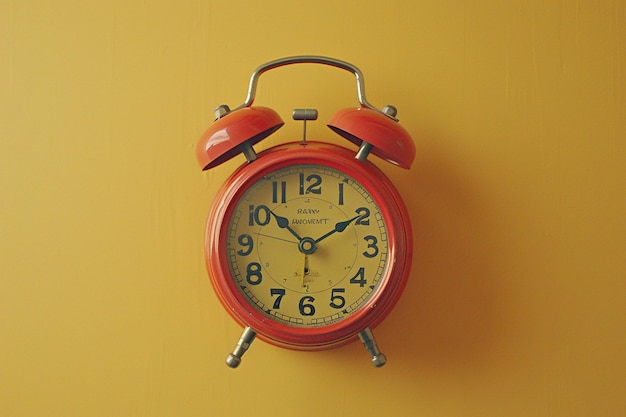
[(378, 359), (390, 111), (247, 337), (248, 151), (304, 115), (308, 59), (364, 151), (221, 111)]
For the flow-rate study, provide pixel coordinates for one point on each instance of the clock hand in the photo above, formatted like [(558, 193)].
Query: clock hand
[(339, 227), (275, 237), (305, 271), (283, 223)]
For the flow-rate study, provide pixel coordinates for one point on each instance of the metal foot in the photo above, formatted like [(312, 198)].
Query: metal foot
[(378, 359), (247, 337)]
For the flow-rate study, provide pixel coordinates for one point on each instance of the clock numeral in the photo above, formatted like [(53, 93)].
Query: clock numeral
[(246, 241), (253, 273), (259, 215), (359, 278), (340, 202), (315, 186), (372, 241), (364, 214), (280, 292), (283, 191), (305, 306), (337, 301)]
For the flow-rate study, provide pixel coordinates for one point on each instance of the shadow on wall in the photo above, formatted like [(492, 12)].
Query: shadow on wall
[(451, 315)]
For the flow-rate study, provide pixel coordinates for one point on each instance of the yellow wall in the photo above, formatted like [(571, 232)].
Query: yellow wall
[(516, 302)]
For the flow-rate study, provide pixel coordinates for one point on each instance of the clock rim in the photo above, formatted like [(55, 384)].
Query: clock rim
[(391, 283)]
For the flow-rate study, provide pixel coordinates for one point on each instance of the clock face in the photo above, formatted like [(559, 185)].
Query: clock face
[(306, 245)]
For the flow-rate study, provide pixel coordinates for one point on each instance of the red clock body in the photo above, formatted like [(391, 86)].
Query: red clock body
[(308, 246)]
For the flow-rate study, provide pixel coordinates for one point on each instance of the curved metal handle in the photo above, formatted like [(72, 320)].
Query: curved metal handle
[(307, 59)]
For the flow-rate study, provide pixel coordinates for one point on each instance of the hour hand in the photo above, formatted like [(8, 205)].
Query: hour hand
[(339, 227), (283, 223)]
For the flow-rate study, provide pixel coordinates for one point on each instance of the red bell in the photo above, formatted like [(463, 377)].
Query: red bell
[(375, 132), (235, 133)]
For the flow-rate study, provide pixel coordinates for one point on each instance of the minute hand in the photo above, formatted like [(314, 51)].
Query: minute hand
[(339, 227)]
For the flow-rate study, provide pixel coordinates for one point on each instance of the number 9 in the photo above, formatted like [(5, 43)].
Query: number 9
[(246, 241)]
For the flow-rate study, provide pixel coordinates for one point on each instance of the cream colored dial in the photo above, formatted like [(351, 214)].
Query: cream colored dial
[(307, 245)]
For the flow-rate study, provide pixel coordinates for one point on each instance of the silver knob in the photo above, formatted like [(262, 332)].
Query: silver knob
[(221, 111), (390, 111), (304, 114)]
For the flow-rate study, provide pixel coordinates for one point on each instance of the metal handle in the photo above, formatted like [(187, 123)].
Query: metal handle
[(307, 59)]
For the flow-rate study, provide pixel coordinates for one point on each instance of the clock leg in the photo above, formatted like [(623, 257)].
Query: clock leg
[(364, 151), (247, 337), (378, 359), (248, 151)]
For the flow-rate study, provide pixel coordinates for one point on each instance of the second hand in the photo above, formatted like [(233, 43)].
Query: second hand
[(277, 238), (305, 270)]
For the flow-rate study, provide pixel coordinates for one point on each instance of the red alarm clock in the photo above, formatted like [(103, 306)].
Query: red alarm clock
[(308, 244)]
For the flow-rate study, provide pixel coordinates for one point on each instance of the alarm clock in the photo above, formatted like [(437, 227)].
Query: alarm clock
[(308, 244)]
